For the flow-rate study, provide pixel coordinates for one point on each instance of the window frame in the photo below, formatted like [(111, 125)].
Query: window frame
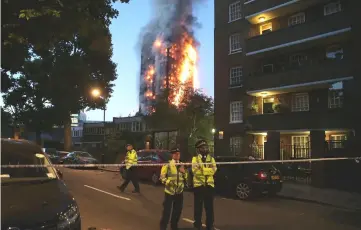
[(334, 103), (237, 50), (233, 76), (335, 5), (239, 142), (303, 19), (236, 12), (231, 118), (264, 25), (297, 108)]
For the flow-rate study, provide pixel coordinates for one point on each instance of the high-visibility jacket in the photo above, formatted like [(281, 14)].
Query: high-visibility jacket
[(203, 174), (172, 178), (131, 158)]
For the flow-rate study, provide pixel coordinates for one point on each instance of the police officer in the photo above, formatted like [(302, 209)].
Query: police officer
[(203, 183), (131, 159), (174, 178)]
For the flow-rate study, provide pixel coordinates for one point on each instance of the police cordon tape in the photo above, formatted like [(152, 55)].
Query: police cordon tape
[(356, 159)]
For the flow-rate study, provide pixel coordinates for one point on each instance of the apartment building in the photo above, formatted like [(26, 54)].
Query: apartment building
[(287, 76)]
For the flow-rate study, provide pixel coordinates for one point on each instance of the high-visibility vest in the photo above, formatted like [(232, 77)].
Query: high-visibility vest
[(203, 174), (172, 178), (131, 158)]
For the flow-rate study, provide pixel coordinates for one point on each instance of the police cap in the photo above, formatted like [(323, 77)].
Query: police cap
[(201, 143), (175, 150)]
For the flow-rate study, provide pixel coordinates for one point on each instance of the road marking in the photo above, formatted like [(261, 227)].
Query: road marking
[(111, 194), (192, 221)]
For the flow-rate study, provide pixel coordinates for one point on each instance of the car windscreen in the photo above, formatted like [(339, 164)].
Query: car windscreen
[(25, 157)]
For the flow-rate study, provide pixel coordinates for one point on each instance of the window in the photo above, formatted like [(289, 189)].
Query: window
[(337, 141), (235, 43), (268, 68), (298, 59), (300, 146), (235, 76), (300, 102), (235, 145), (334, 52), (220, 135), (335, 99), (136, 126), (296, 19), (265, 28), (235, 11), (236, 112), (332, 8)]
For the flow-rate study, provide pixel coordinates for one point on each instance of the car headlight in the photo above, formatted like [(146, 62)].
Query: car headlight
[(68, 217)]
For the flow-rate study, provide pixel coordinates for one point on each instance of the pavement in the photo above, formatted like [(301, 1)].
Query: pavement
[(302, 192), (102, 206)]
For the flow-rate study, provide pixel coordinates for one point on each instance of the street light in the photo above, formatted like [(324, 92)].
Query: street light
[(96, 93), (213, 131)]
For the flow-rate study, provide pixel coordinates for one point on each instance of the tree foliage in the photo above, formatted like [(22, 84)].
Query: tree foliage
[(71, 44), (193, 117), (27, 99)]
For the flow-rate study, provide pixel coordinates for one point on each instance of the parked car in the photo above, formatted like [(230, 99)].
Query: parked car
[(54, 155), (245, 180), (39, 191), (151, 173), (79, 157)]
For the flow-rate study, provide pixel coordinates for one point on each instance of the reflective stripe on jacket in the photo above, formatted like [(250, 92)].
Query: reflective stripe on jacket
[(131, 158), (203, 174), (173, 179)]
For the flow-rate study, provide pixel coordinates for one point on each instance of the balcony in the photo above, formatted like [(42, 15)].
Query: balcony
[(290, 74), (330, 119), (269, 9), (331, 29)]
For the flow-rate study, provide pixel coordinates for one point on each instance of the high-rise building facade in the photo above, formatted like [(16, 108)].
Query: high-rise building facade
[(287, 76)]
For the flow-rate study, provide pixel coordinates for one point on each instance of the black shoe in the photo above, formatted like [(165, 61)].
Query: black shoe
[(197, 226), (120, 188), (135, 192)]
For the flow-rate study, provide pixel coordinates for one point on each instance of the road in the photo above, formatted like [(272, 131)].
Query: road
[(102, 206)]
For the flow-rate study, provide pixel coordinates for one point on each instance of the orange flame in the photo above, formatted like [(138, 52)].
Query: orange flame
[(183, 68)]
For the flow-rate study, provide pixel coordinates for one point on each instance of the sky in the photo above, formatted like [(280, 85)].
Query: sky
[(125, 36)]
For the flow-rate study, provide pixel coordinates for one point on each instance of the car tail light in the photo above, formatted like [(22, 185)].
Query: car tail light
[(262, 175)]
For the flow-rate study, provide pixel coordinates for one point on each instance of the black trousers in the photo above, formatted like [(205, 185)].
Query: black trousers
[(203, 195), (131, 176), (175, 202)]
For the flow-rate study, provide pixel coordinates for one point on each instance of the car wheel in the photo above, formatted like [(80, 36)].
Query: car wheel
[(243, 191), (155, 179)]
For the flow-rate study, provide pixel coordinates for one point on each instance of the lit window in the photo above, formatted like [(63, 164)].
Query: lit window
[(235, 11), (220, 135), (265, 28), (338, 141), (300, 146), (236, 112), (235, 76), (296, 19), (300, 102), (332, 8), (335, 99), (235, 43), (235, 145)]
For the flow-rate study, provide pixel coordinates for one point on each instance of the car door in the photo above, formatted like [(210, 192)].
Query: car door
[(143, 158)]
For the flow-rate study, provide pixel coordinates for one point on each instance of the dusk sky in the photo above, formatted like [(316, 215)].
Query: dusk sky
[(125, 31)]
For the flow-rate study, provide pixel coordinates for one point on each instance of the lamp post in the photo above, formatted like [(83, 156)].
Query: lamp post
[(96, 93)]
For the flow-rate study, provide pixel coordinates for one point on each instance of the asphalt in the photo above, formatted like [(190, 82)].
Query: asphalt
[(102, 206)]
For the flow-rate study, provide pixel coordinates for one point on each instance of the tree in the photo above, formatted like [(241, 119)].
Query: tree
[(28, 25), (27, 99), (193, 118), (73, 41)]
